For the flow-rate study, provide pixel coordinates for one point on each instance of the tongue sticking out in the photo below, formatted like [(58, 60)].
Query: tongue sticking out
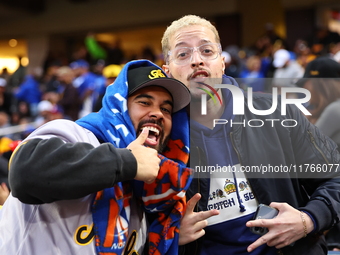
[(152, 139)]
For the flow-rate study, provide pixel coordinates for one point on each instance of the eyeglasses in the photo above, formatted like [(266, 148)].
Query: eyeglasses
[(183, 55)]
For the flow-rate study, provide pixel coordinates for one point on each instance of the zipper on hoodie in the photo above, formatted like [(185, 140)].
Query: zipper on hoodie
[(316, 146)]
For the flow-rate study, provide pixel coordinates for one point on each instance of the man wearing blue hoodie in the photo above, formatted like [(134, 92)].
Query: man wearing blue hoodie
[(81, 187), (225, 147)]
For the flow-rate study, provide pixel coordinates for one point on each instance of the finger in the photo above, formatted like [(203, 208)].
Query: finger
[(280, 242), (262, 240), (199, 234), (266, 223), (206, 214), (142, 136), (198, 226), (276, 205), (192, 237), (4, 187), (192, 202)]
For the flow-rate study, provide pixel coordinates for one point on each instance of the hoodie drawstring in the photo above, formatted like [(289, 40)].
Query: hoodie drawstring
[(240, 203)]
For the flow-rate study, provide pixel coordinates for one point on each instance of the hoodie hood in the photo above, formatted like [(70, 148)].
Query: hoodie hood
[(113, 124)]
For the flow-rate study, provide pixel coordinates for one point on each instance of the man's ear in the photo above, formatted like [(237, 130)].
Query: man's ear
[(166, 70)]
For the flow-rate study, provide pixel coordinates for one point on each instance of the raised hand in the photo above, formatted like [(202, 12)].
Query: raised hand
[(192, 223), (284, 229), (147, 158)]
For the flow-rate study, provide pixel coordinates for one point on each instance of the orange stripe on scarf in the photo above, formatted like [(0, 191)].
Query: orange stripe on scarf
[(111, 226)]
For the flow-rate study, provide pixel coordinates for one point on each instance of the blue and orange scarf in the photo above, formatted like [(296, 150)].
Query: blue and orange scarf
[(165, 197)]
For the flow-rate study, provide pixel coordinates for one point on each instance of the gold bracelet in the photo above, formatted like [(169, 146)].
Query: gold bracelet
[(304, 223)]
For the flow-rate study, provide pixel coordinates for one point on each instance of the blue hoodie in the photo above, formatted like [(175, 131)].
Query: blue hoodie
[(29, 91), (164, 198)]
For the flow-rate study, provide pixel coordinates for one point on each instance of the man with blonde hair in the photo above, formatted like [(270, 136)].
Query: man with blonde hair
[(219, 215)]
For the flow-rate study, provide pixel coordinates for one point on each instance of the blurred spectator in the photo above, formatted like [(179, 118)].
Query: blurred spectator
[(115, 53), (69, 97), (148, 53), (252, 75), (5, 98), (85, 82), (95, 50), (99, 84), (5, 74), (50, 81), (53, 97), (271, 34), (235, 66), (45, 109), (29, 91), (287, 70), (227, 58), (322, 79), (112, 53), (322, 39), (4, 123), (54, 58), (110, 72), (47, 112), (17, 77), (335, 51), (4, 120), (303, 53), (21, 112), (80, 52), (263, 46)]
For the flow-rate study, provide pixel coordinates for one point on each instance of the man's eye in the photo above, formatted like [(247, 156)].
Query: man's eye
[(166, 110), (143, 102), (182, 54), (207, 51)]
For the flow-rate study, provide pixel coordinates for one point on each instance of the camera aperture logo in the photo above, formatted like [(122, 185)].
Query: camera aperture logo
[(204, 101), (238, 105)]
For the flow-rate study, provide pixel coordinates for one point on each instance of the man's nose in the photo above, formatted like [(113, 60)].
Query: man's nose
[(196, 59), (156, 113)]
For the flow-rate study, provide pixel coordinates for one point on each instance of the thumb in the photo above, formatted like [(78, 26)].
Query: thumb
[(142, 136)]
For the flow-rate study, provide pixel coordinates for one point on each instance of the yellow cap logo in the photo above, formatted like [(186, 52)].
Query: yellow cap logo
[(314, 73), (156, 74)]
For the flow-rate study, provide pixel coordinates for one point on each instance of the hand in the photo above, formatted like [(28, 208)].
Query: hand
[(147, 158), (192, 224), (284, 229), (4, 193)]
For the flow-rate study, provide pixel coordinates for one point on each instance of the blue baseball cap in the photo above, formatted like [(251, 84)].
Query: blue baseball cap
[(80, 63)]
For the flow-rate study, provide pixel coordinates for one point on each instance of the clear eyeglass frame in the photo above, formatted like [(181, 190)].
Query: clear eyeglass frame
[(207, 51)]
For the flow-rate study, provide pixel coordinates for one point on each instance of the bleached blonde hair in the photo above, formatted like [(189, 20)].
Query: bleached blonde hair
[(185, 21)]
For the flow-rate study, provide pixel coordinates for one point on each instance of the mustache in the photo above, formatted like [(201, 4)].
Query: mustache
[(195, 71)]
